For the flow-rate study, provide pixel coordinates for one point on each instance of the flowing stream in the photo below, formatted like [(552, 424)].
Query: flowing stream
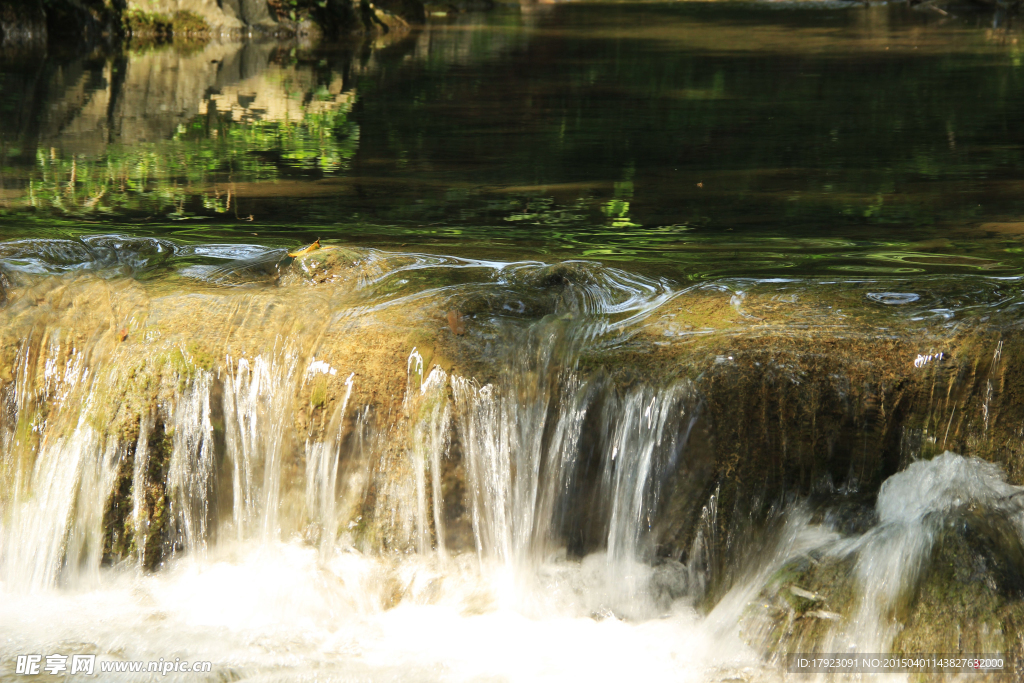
[(385, 465), (559, 341)]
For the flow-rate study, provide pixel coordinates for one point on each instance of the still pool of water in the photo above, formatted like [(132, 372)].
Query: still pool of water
[(693, 139), (631, 322)]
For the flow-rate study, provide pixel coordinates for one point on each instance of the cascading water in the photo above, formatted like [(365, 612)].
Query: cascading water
[(351, 472)]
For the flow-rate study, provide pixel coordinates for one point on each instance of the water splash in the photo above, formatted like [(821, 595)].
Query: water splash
[(912, 507)]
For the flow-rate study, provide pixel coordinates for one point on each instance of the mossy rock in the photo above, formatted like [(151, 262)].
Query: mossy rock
[(971, 597), (329, 263), (801, 605)]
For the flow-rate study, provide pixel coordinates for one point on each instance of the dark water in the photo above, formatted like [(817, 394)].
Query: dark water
[(690, 140)]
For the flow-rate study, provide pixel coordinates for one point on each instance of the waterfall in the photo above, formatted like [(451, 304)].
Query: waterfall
[(426, 405), (190, 473), (377, 463), (322, 462), (256, 410)]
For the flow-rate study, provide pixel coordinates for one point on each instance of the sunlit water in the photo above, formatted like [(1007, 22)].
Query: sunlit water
[(481, 445)]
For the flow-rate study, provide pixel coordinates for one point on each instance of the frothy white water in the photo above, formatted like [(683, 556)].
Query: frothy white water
[(276, 612)]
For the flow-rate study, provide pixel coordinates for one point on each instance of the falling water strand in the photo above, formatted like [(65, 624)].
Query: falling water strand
[(256, 396), (322, 461), (52, 520), (426, 405), (191, 469), (140, 485), (643, 447)]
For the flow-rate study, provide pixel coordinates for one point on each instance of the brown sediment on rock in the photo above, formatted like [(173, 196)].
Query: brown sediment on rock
[(456, 323)]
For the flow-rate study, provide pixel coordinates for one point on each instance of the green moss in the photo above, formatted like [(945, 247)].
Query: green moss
[(155, 501), (17, 467), (157, 27), (139, 23), (970, 597), (801, 604), (118, 526), (185, 362), (199, 356), (122, 540), (318, 394), (178, 363)]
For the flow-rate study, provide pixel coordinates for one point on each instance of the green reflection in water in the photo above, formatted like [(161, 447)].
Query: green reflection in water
[(694, 138), (164, 177)]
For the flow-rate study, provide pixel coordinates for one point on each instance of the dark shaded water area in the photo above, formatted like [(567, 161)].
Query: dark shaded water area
[(689, 140)]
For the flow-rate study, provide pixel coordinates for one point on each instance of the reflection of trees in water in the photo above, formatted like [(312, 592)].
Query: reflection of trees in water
[(734, 117), (171, 176), (618, 115), (82, 104), (148, 130), (153, 131)]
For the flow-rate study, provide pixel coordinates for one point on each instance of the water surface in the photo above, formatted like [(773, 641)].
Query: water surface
[(691, 139)]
